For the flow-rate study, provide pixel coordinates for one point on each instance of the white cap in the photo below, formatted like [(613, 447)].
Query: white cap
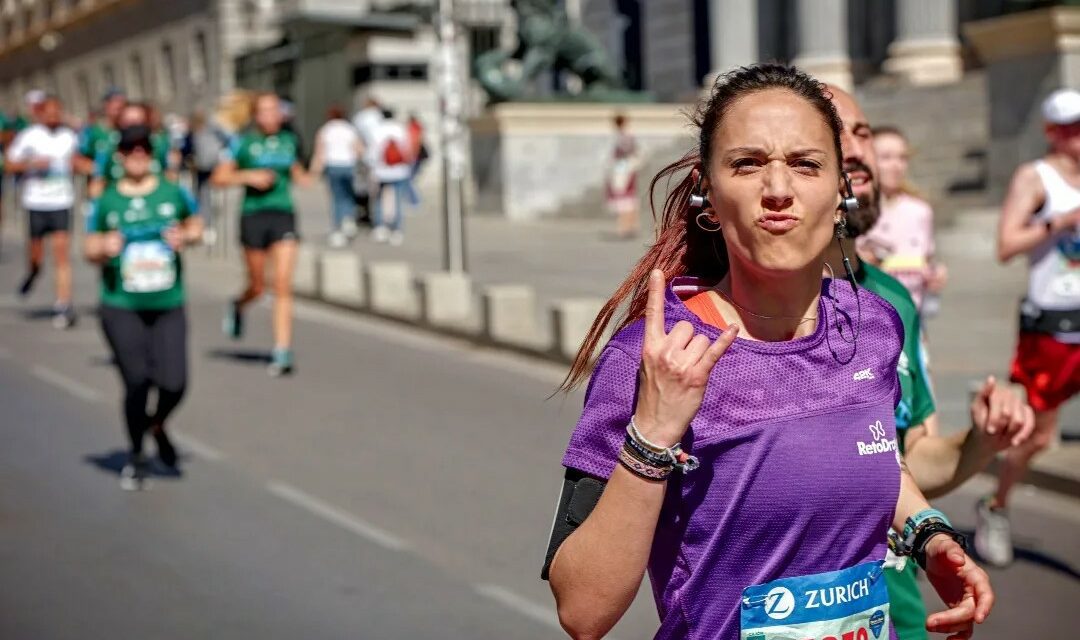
[(1062, 107), (34, 97)]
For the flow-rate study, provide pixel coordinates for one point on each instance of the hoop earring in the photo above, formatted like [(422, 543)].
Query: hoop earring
[(701, 226), (840, 228)]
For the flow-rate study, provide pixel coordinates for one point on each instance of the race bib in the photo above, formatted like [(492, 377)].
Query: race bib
[(849, 604), (147, 267), (52, 188)]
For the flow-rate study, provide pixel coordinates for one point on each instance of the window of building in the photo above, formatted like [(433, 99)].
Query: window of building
[(199, 56), (249, 14), (83, 98), (135, 76), (364, 73), (481, 40), (108, 73), (166, 72)]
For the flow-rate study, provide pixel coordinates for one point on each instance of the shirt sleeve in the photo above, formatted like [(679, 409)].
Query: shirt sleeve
[(101, 163), (231, 152), (189, 205), (609, 404), (95, 222), (922, 396), (86, 143), (19, 149)]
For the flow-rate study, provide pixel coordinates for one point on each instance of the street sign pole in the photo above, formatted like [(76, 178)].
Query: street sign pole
[(451, 91)]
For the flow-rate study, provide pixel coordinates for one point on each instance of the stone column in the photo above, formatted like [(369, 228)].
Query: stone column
[(733, 34), (822, 41), (926, 50)]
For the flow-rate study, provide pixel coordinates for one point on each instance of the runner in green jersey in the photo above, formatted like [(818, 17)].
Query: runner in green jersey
[(107, 162), (938, 463), (98, 136), (265, 160), (139, 226)]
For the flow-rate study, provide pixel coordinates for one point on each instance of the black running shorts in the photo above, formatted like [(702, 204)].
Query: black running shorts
[(42, 223), (261, 229)]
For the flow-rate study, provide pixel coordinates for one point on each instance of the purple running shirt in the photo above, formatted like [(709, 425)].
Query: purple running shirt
[(797, 444)]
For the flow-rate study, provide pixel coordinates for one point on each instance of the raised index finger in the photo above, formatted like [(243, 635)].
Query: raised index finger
[(654, 307)]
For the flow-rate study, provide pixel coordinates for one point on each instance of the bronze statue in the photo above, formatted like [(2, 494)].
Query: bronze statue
[(547, 41)]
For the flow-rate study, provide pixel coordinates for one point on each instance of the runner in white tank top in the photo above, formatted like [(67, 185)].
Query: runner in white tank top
[(1041, 219)]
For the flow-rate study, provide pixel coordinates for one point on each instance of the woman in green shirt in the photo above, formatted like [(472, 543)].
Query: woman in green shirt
[(265, 160), (139, 226)]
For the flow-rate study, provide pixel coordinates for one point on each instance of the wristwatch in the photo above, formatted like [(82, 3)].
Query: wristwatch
[(917, 541)]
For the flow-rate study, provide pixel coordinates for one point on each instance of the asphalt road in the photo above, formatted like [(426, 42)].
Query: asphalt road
[(399, 486)]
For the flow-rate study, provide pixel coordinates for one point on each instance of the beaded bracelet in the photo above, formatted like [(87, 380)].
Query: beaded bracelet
[(642, 469), (682, 460)]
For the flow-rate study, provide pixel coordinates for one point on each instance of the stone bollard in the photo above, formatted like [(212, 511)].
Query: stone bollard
[(509, 315), (446, 299), (340, 279), (391, 290), (306, 273), (571, 320)]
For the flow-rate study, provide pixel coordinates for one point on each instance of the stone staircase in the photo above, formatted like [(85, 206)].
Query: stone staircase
[(948, 128)]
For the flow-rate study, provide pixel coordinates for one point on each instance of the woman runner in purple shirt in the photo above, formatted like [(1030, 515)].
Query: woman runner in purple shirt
[(755, 478)]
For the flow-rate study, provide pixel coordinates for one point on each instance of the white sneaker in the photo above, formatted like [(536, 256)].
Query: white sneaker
[(337, 240), (380, 234), (993, 534), (397, 238), (348, 227)]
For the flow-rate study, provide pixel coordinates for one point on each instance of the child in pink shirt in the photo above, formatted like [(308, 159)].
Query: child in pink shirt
[(902, 241)]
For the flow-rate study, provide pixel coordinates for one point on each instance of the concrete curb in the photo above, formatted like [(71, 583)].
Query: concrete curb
[(505, 317)]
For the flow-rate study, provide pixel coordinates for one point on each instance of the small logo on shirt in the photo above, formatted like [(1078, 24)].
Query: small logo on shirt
[(779, 603), (880, 444), (865, 374)]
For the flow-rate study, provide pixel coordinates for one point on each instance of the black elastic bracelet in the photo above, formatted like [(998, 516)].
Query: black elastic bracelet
[(925, 532), (648, 456)]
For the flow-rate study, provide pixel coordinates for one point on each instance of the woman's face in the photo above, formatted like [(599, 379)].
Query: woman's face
[(136, 163), (1065, 138), (774, 182), (892, 160), (268, 114), (132, 116)]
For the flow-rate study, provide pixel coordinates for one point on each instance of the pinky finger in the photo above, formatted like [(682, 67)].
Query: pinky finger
[(719, 347)]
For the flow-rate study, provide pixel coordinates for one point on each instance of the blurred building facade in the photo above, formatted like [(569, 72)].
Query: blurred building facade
[(185, 53), (175, 52)]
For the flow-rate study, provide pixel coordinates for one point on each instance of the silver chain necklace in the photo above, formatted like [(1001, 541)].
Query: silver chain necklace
[(758, 315)]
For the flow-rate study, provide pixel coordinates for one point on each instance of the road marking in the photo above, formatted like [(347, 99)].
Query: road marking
[(200, 449), (337, 516), (524, 606), (74, 387)]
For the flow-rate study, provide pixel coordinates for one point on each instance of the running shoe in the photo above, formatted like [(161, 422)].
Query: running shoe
[(993, 534), (380, 234), (348, 227), (165, 450), (233, 323), (337, 240), (28, 283), (64, 316), (133, 475), (281, 363)]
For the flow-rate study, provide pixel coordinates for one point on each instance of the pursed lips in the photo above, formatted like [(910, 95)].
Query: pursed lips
[(778, 222)]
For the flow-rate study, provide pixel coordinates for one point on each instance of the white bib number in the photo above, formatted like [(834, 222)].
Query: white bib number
[(147, 267)]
